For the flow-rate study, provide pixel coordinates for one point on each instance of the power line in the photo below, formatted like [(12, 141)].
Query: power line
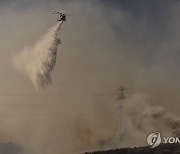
[(52, 104), (64, 85), (49, 115), (55, 95)]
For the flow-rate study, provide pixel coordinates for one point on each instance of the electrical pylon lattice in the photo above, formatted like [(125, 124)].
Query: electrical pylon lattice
[(119, 113)]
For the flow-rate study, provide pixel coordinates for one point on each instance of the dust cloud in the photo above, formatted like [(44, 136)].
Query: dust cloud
[(103, 47)]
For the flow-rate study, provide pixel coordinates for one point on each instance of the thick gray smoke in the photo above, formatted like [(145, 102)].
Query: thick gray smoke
[(39, 61), (105, 47), (139, 119)]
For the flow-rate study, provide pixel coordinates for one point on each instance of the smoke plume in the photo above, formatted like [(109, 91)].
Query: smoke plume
[(105, 46), (139, 119), (39, 61)]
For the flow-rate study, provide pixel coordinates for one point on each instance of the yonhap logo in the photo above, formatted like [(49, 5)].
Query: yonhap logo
[(154, 139)]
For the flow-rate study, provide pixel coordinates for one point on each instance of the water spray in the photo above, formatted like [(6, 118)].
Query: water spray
[(39, 61)]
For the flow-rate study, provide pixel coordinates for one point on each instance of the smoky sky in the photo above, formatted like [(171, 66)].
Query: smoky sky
[(105, 44), (144, 33), (154, 15)]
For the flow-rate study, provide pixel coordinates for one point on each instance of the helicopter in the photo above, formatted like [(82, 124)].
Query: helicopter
[(62, 16)]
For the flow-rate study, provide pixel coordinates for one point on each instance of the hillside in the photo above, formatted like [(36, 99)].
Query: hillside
[(10, 148), (162, 149)]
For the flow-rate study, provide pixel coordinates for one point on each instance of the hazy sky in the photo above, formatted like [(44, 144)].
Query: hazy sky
[(105, 44)]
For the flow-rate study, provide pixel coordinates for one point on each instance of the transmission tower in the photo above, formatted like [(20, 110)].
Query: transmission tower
[(119, 113)]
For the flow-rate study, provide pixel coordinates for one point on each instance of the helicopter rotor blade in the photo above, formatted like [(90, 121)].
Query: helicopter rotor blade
[(56, 12)]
